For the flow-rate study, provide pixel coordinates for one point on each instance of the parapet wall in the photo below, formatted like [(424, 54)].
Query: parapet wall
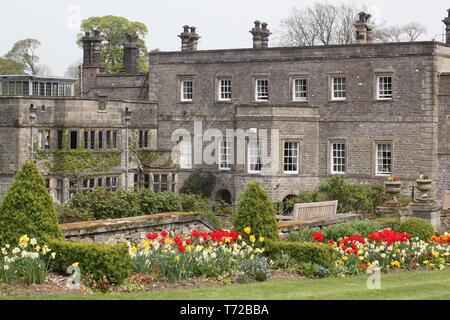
[(135, 229)]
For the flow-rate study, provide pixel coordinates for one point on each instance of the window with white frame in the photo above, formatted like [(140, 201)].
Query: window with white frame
[(225, 90), (300, 89), (384, 87), (338, 158), (254, 156), (224, 155), (186, 153), (338, 88), (262, 90), (384, 159), (187, 90), (291, 157)]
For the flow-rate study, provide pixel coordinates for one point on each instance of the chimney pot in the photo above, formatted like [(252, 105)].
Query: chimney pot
[(446, 21), (257, 24), (364, 29)]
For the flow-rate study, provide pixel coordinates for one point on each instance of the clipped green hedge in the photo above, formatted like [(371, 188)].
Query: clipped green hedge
[(320, 254), (100, 260), (417, 227)]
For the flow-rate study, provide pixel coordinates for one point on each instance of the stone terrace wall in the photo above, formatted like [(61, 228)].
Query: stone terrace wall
[(135, 229)]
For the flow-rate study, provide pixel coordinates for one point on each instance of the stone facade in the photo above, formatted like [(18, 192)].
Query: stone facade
[(412, 122), (408, 122)]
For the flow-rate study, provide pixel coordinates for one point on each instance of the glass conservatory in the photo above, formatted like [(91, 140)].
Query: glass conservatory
[(25, 85)]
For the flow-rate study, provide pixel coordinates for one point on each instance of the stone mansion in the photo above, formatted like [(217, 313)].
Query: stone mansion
[(366, 110)]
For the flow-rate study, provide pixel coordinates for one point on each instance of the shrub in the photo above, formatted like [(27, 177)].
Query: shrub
[(67, 214), (99, 260), (256, 211), (350, 228), (104, 204), (200, 184), (417, 227), (304, 235), (352, 197), (193, 203), (308, 269), (334, 232), (302, 252), (153, 203), (28, 208)]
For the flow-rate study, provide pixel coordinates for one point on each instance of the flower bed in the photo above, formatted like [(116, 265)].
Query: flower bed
[(200, 254), (388, 250), (28, 263)]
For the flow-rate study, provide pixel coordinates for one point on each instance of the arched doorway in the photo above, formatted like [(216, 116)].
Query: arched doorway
[(288, 204), (225, 196)]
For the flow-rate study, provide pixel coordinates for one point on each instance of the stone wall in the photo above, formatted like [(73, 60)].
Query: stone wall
[(135, 229)]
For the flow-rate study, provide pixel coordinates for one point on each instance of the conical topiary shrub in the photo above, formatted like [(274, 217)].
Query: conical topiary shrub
[(28, 208), (257, 212)]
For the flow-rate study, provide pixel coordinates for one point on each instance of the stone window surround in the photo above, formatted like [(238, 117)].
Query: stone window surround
[(331, 97), (247, 157), (180, 80), (381, 73), (375, 143), (299, 142), (255, 79), (292, 79), (330, 155), (230, 156), (217, 85)]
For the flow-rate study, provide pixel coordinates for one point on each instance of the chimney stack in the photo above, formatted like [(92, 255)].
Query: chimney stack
[(130, 54), (446, 21), (260, 35), (189, 39), (92, 49), (364, 29)]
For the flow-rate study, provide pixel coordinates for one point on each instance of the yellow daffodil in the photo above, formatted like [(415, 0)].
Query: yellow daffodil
[(169, 241), (133, 249), (252, 239), (395, 264), (345, 258), (339, 262), (426, 262), (38, 248), (436, 254), (177, 258), (262, 239), (247, 230), (53, 255)]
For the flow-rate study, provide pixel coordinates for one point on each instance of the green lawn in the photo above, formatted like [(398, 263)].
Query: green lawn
[(432, 285)]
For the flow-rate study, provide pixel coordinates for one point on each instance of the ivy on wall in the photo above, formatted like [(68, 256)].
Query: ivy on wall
[(66, 162)]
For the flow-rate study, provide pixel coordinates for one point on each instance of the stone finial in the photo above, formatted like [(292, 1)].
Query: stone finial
[(364, 28)]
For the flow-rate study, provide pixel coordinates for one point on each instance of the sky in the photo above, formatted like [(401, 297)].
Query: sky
[(221, 24)]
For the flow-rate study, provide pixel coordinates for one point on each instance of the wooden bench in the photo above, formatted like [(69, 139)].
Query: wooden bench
[(309, 211)]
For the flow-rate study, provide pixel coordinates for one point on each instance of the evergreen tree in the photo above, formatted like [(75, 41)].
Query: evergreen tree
[(257, 212), (28, 208)]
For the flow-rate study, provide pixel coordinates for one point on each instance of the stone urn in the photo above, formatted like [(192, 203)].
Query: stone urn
[(393, 188), (424, 185)]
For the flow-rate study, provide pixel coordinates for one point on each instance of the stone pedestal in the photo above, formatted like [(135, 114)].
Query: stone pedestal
[(430, 211)]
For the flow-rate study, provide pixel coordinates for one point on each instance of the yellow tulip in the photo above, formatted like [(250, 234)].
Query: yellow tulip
[(262, 239), (252, 239), (247, 230)]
